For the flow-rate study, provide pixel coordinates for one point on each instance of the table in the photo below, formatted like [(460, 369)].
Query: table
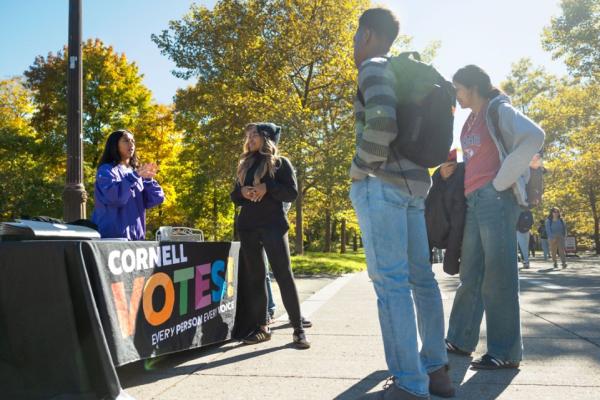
[(70, 311)]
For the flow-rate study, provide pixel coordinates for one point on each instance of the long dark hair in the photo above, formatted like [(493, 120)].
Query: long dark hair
[(111, 150), (473, 76), (269, 164), (552, 210)]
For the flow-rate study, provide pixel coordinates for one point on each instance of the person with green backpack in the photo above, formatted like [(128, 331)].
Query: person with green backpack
[(498, 144), (390, 181)]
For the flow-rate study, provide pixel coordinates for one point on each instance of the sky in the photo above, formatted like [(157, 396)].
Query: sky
[(490, 33)]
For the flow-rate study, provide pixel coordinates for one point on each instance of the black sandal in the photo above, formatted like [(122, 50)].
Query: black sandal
[(489, 362), (450, 348)]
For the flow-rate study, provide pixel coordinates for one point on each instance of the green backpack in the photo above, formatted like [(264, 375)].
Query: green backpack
[(425, 111)]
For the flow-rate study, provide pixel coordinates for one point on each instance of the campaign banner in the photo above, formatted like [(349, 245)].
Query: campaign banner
[(156, 298)]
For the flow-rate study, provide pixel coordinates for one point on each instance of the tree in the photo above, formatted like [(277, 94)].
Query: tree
[(24, 189), (114, 97), (575, 36), (288, 70), (159, 141), (568, 110)]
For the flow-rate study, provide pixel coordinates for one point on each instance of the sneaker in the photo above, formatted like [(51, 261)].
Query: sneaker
[(306, 323), (489, 362), (450, 348), (440, 383), (564, 265), (555, 265), (257, 336), (300, 340), (525, 265)]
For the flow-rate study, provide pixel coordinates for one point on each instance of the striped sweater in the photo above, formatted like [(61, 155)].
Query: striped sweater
[(376, 128)]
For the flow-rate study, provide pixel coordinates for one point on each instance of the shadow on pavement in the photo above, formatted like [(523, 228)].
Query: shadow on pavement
[(361, 387), (488, 385), (170, 365)]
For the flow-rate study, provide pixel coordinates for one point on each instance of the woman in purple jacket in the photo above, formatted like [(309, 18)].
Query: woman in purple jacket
[(124, 189)]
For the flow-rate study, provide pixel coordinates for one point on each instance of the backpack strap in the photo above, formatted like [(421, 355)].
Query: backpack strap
[(495, 117), (415, 55)]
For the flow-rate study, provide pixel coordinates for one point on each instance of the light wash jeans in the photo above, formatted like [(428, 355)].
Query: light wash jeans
[(489, 277), (545, 248), (395, 239), (523, 241)]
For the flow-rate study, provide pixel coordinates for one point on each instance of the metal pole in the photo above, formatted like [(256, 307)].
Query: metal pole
[(74, 195)]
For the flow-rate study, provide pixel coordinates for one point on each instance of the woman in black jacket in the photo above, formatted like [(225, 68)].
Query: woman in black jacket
[(445, 209), (265, 180)]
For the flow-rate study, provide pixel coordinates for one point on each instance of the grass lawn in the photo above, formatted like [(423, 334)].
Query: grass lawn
[(313, 263)]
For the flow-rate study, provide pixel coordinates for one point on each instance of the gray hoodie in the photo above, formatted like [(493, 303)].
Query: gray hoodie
[(523, 139)]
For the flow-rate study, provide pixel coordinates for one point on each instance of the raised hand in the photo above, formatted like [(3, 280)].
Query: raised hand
[(148, 171)]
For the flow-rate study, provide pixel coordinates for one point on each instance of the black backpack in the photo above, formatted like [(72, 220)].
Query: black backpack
[(525, 221), (425, 111), (535, 185)]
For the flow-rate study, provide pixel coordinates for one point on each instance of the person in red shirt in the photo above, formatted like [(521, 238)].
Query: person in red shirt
[(496, 168)]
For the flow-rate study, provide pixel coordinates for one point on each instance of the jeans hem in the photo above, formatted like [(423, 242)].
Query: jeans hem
[(424, 395), (436, 367)]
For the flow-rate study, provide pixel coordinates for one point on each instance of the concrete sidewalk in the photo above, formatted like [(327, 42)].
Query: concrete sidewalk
[(561, 333)]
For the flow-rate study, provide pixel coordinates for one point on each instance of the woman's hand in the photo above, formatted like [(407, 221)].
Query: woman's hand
[(260, 191), (447, 169), (148, 171), (248, 192)]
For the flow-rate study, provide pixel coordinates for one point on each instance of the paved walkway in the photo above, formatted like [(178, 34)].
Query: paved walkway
[(561, 331)]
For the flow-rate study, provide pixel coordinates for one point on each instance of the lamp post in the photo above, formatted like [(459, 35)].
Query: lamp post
[(74, 195)]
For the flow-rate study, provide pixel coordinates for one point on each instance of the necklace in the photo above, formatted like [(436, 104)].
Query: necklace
[(471, 120)]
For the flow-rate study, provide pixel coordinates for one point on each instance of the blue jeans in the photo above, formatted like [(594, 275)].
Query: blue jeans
[(545, 248), (489, 278), (523, 242), (395, 239), (270, 302)]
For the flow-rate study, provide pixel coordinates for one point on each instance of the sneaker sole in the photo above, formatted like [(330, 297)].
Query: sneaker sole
[(301, 346), (490, 367)]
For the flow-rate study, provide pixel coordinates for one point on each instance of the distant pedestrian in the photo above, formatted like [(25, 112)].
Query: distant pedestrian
[(556, 228), (544, 239), (532, 243)]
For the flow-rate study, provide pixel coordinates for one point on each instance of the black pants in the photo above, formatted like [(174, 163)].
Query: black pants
[(275, 243)]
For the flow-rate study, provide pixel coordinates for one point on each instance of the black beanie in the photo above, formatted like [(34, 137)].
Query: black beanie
[(269, 130)]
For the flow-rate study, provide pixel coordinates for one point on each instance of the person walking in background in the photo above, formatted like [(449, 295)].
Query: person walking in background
[(496, 160), (557, 231), (124, 189), (265, 180), (388, 194), (445, 209), (532, 243), (524, 224), (544, 238)]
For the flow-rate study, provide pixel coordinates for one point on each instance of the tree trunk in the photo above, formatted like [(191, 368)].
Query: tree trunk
[(354, 243), (596, 217), (327, 243), (334, 236), (215, 214), (299, 229), (343, 237)]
